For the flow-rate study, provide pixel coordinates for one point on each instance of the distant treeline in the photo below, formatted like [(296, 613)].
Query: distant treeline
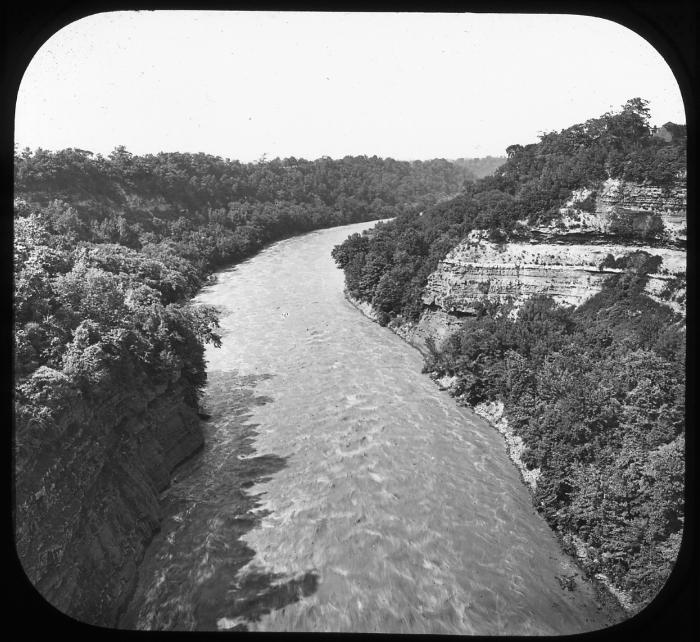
[(213, 211), (596, 393), (480, 167)]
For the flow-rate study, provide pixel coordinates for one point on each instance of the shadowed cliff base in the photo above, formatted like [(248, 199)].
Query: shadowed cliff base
[(188, 579)]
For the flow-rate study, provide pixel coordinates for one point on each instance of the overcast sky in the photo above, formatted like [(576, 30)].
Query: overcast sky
[(405, 85)]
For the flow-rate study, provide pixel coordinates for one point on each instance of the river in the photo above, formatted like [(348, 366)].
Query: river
[(339, 489)]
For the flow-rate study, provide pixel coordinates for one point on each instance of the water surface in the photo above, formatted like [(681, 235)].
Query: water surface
[(339, 489)]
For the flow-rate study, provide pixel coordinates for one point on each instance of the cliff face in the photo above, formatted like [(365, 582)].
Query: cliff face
[(478, 270), (87, 490), (617, 208), (564, 258)]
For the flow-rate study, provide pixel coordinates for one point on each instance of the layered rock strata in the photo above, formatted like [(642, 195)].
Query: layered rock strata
[(604, 211), (478, 270), (568, 259), (87, 500)]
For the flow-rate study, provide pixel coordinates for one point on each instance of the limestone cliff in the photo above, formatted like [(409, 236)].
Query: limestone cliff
[(616, 208), (478, 269), (88, 480), (567, 258)]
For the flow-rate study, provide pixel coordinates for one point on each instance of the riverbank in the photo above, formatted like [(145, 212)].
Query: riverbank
[(615, 604)]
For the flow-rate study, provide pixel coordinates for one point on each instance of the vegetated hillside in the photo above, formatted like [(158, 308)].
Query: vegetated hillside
[(155, 226), (596, 392), (109, 351), (480, 167), (213, 211)]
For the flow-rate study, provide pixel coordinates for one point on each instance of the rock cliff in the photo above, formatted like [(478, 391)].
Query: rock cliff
[(87, 499), (567, 258), (616, 208)]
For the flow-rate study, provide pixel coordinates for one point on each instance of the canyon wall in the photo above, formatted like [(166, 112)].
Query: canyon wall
[(616, 208), (88, 480), (567, 258)]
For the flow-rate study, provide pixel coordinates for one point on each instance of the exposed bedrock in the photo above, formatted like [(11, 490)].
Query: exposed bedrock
[(478, 270), (567, 259), (87, 499), (618, 208)]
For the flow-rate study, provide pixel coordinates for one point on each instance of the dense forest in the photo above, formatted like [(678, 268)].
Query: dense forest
[(109, 251), (597, 393), (212, 211)]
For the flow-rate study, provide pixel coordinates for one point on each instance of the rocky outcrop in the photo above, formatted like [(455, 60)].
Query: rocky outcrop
[(617, 208), (88, 480), (479, 269), (568, 258)]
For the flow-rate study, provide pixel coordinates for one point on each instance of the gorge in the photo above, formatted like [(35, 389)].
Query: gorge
[(302, 474)]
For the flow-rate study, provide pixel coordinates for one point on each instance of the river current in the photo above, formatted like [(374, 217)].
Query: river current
[(339, 489)]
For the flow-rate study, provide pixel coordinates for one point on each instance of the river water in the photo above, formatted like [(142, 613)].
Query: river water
[(339, 489)]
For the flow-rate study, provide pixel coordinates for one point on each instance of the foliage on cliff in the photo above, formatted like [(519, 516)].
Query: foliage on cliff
[(94, 320), (598, 395), (109, 250), (391, 266)]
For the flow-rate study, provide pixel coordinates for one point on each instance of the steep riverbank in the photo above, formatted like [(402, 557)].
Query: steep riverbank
[(88, 505), (616, 603)]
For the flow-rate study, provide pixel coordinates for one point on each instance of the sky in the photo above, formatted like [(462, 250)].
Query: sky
[(249, 85)]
